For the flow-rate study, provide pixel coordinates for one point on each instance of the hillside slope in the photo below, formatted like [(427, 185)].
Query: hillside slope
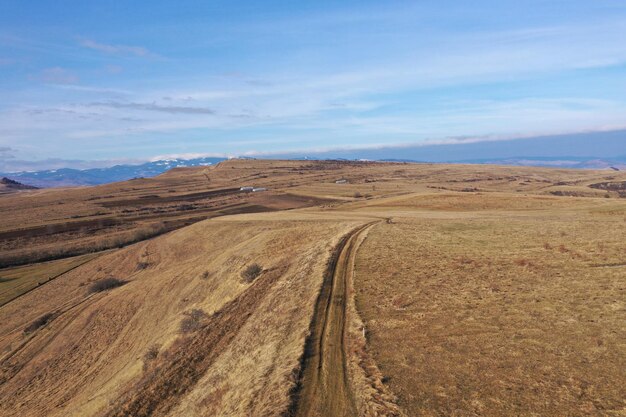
[(90, 357), (8, 185)]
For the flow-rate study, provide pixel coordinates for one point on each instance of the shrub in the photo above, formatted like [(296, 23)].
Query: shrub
[(40, 322), (193, 320), (251, 272), (142, 265), (151, 355), (358, 195), (105, 284), (205, 275), (152, 352)]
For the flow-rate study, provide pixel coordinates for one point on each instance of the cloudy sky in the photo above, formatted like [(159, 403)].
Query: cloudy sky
[(119, 80)]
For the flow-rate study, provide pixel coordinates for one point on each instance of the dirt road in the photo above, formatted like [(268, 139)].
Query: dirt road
[(325, 388)]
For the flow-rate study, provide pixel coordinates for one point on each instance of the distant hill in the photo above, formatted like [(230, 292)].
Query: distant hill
[(67, 177), (596, 150), (615, 164), (7, 185)]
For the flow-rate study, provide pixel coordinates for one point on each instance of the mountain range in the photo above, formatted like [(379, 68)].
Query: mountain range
[(592, 150), (69, 177)]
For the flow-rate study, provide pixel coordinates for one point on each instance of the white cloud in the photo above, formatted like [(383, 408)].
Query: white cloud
[(139, 51), (343, 93), (57, 75), (154, 107), (189, 155)]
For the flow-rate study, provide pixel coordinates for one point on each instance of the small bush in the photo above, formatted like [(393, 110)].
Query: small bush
[(152, 352), (205, 275), (105, 284), (192, 321), (251, 272), (40, 322), (142, 265), (358, 195), (151, 355)]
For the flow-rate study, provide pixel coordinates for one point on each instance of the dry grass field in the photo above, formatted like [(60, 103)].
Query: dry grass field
[(94, 353), (18, 280), (411, 289), (495, 305)]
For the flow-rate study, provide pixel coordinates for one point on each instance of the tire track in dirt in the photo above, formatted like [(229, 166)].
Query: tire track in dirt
[(324, 387)]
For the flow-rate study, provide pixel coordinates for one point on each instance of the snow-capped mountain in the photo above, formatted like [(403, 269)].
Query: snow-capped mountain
[(95, 176)]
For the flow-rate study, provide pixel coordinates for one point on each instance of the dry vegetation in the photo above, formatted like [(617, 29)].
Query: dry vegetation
[(251, 272), (105, 284), (18, 280), (92, 357), (476, 290), (515, 307)]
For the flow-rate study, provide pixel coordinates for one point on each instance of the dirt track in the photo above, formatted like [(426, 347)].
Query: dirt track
[(325, 388)]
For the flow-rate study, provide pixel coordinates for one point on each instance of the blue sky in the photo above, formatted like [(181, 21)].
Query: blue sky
[(86, 80)]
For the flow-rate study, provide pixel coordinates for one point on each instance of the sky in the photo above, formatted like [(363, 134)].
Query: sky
[(130, 81)]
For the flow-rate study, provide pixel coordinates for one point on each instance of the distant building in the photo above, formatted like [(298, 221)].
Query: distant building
[(246, 189), (259, 189), (342, 181)]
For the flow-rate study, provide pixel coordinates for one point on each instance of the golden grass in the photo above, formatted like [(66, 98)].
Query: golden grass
[(92, 352), (481, 291), (502, 311), (19, 280)]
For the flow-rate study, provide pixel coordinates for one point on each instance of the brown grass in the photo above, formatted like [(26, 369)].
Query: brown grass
[(186, 361), (469, 306), (19, 280), (29, 256), (193, 321), (95, 355), (498, 323)]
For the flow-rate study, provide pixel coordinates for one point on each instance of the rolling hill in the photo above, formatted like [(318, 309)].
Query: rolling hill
[(407, 289)]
